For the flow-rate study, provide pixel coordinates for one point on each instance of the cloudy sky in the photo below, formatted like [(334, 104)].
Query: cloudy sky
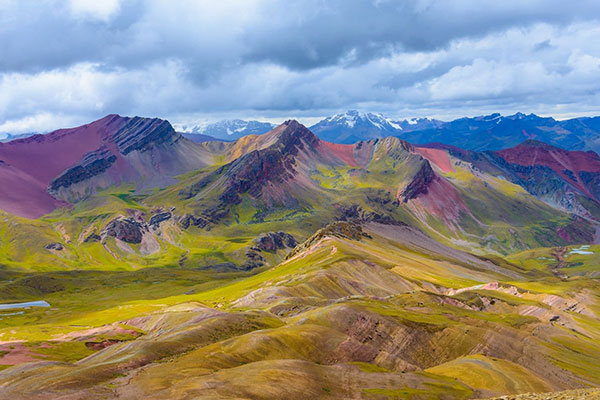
[(63, 63)]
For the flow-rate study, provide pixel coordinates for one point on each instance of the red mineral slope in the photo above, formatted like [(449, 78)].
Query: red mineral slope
[(344, 152), (537, 153), (28, 165), (43, 157), (568, 164), (23, 195), (438, 157), (38, 171)]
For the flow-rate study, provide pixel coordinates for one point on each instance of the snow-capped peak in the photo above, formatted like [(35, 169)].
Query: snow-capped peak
[(352, 117), (229, 129)]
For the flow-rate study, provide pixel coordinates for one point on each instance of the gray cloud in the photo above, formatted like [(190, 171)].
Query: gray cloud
[(68, 62)]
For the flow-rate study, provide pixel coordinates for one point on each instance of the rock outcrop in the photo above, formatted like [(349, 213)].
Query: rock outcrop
[(340, 229), (125, 229), (92, 237), (157, 219), (357, 214), (142, 133), (188, 220), (93, 163), (419, 184), (54, 246), (274, 241)]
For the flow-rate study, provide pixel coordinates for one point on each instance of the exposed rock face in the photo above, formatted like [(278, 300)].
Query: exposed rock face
[(344, 230), (355, 213), (250, 172), (54, 246), (255, 260), (274, 241), (420, 183), (188, 220), (125, 229), (268, 242), (92, 164), (130, 134), (93, 237), (340, 229), (141, 133), (156, 219)]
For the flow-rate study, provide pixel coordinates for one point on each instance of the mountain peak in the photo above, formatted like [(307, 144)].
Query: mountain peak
[(229, 129), (292, 133), (138, 133), (526, 117), (353, 126), (353, 117)]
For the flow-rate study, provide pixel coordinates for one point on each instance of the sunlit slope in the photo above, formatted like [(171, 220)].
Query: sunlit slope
[(377, 311)]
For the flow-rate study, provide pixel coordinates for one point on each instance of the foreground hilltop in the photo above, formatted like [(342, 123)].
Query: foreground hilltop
[(365, 310)]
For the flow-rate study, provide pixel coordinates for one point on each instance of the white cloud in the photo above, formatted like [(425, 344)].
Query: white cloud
[(490, 79), (40, 123), (95, 9)]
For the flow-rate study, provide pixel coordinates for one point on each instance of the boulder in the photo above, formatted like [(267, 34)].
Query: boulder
[(125, 229), (156, 219), (92, 237), (54, 246), (273, 241)]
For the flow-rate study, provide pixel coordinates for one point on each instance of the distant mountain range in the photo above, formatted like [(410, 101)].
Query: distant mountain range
[(353, 126), (10, 137), (495, 132), (491, 132), (227, 130)]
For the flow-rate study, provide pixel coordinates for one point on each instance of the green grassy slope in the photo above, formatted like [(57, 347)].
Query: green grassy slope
[(391, 315)]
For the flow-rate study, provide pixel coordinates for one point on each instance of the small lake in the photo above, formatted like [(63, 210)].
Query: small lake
[(8, 306)]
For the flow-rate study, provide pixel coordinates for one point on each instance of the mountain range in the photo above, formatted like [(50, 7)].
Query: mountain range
[(496, 132), (228, 130), (353, 126), (489, 132), (285, 265)]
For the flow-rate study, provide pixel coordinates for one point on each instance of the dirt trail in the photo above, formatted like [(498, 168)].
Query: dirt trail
[(578, 394)]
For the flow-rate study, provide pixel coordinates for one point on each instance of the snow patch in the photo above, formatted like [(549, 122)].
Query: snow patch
[(583, 250)]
